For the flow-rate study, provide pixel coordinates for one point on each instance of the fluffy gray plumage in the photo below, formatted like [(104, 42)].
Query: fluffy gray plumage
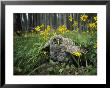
[(58, 46)]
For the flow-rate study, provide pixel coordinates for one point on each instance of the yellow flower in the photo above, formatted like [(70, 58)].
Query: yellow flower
[(95, 18), (42, 25), (70, 18), (48, 28), (78, 54), (92, 25), (83, 17), (67, 30), (62, 29), (44, 34), (37, 28)]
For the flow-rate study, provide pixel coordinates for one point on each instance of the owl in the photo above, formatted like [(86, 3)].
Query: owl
[(60, 47)]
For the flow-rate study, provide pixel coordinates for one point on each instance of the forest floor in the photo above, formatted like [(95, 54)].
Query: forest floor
[(30, 60)]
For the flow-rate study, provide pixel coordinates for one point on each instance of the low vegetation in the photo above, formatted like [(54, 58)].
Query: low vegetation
[(29, 59)]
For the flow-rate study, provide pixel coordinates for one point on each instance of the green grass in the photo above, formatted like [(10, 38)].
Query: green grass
[(30, 60)]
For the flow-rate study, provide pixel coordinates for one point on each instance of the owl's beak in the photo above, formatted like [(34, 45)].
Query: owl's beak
[(58, 42)]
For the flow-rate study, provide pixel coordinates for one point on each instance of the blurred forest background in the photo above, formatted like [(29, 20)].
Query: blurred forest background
[(28, 21), (33, 30)]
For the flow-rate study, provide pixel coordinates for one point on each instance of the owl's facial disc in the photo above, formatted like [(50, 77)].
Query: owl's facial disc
[(57, 41)]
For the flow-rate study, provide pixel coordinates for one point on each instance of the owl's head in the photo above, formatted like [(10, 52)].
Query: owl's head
[(57, 40)]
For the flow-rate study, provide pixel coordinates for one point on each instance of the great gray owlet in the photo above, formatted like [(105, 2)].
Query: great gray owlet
[(58, 46)]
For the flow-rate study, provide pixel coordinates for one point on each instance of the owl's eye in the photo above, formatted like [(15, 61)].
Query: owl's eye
[(54, 41), (57, 41)]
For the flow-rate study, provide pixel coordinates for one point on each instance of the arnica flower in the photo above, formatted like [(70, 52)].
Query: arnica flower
[(70, 18), (92, 25), (44, 34), (62, 29), (48, 28), (42, 25), (67, 30), (95, 18), (83, 17), (37, 28), (78, 54)]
